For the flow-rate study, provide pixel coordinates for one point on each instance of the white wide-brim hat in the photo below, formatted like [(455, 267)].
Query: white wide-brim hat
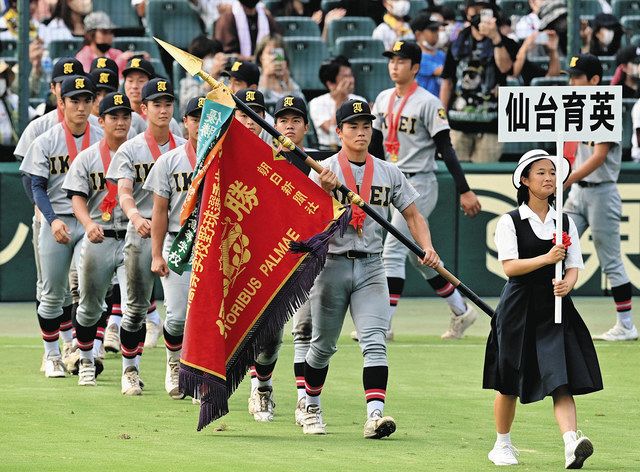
[(535, 155)]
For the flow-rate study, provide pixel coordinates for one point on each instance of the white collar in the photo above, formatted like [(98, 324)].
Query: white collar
[(526, 213)]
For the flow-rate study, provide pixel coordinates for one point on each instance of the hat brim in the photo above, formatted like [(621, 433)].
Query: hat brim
[(297, 111), (157, 95), (358, 116), (113, 109), (194, 112), (566, 167), (137, 69), (110, 88), (390, 54), (75, 93)]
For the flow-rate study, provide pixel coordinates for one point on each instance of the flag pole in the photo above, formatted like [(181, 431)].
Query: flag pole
[(559, 201), (193, 65)]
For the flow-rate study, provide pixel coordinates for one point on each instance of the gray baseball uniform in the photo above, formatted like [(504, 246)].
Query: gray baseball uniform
[(48, 157), (360, 283), (422, 118), (139, 125), (98, 261), (170, 178), (134, 161), (595, 203)]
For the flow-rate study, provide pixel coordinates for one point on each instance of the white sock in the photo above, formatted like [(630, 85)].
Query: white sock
[(302, 393), (374, 405), (264, 383), (173, 355), (86, 355), (137, 361), (67, 336), (312, 401), (115, 320), (126, 362), (624, 318), (456, 302), (254, 378), (97, 344), (154, 317), (51, 348), (569, 437), (503, 438)]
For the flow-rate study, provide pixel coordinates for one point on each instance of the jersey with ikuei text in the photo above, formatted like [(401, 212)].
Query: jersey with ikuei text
[(170, 178), (388, 187), (422, 117), (87, 176), (48, 157), (134, 161)]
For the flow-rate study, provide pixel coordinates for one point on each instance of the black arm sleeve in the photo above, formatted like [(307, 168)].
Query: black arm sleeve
[(26, 184), (376, 149), (444, 147)]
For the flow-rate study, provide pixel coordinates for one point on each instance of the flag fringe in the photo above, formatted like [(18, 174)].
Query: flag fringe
[(209, 389)]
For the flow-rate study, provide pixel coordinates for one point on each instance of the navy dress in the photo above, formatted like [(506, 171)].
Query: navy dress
[(527, 354)]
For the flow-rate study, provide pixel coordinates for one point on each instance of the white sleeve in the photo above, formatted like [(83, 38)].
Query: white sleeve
[(635, 115), (574, 253), (318, 113), (506, 239)]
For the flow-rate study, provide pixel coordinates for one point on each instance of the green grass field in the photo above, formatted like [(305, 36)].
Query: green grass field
[(444, 418)]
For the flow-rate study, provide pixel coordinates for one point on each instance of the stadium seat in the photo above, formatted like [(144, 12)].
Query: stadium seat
[(177, 74), (158, 66), (416, 6), (631, 23), (9, 50), (358, 47), (514, 82), (456, 5), (271, 4), (174, 21), (306, 53), (514, 8), (635, 40), (608, 64), (121, 13), (328, 5), (371, 76), (298, 26), (588, 7), (550, 81), (349, 26), (625, 7), (541, 61), (64, 47), (137, 44)]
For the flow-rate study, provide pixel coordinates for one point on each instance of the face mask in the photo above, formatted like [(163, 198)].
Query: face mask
[(606, 36), (3, 87), (103, 47), (249, 3), (400, 8), (426, 45), (207, 63), (443, 39)]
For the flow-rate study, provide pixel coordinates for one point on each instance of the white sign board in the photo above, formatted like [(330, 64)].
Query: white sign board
[(547, 114)]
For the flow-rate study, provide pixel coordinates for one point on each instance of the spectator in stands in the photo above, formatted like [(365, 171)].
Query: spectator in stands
[(529, 24), (337, 76), (452, 25), (9, 21), (66, 21), (275, 78), (553, 16), (628, 71), (210, 11), (431, 37), (8, 113), (213, 63), (245, 26), (603, 37), (476, 64), (635, 137), (394, 24), (308, 8), (528, 70), (98, 39)]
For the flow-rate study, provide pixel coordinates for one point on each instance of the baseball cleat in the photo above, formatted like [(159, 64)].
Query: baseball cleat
[(71, 362), (70, 355), (53, 366), (171, 380), (378, 426), (112, 338), (74, 368), (354, 335), (503, 454), (312, 421), (459, 324), (253, 402), (87, 373), (154, 330), (619, 333), (577, 452), (131, 382), (44, 362), (264, 405), (300, 411)]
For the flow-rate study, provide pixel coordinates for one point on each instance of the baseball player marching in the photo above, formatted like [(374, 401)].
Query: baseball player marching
[(130, 167), (354, 275), (415, 127), (47, 162), (94, 202), (169, 181)]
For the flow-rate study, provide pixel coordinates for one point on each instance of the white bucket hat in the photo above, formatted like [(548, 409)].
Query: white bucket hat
[(535, 155)]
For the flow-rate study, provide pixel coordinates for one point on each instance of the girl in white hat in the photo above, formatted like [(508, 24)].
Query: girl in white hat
[(528, 356)]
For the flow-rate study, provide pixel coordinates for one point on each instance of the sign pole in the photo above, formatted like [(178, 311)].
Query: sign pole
[(559, 202)]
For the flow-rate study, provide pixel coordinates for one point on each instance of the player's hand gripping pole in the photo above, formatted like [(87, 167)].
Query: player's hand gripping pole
[(193, 66)]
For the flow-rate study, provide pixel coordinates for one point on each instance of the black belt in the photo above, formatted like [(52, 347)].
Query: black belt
[(116, 234), (355, 254), (408, 175), (584, 184)]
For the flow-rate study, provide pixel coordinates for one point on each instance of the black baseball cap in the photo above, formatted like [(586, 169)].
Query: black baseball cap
[(405, 50), (104, 63), (157, 88), (352, 110), (585, 64), (425, 22), (194, 106), (105, 79), (244, 70), (77, 85), (65, 67), (253, 98), (114, 101), (138, 64), (291, 104)]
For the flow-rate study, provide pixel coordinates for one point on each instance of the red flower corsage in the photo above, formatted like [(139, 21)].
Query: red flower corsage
[(566, 240)]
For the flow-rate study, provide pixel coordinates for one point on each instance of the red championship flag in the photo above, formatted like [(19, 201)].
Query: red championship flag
[(245, 281)]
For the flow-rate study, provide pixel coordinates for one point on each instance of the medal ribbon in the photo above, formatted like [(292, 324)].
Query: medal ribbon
[(109, 201), (60, 115), (357, 214), (71, 142), (191, 154), (391, 144), (153, 145)]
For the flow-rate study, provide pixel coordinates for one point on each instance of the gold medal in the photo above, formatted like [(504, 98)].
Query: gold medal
[(106, 216), (359, 231), (394, 157)]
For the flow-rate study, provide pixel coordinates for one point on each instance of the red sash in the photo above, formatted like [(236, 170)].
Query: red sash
[(153, 145), (391, 144), (358, 215), (191, 154), (71, 142), (109, 201), (570, 150), (60, 115)]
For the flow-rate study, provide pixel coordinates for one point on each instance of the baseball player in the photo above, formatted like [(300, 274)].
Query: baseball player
[(94, 202), (354, 275), (104, 63), (169, 181), (594, 202), (106, 81), (415, 127), (47, 161), (130, 167)]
